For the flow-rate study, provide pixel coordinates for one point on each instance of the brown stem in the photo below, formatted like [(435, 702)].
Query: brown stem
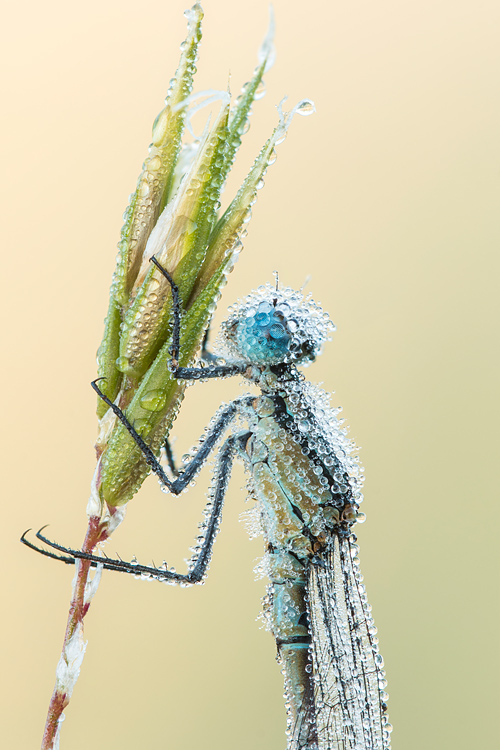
[(97, 532)]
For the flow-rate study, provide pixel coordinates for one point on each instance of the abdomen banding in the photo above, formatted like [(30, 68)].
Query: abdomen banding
[(286, 611), (287, 608)]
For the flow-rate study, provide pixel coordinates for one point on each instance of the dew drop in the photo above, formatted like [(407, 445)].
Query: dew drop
[(153, 400), (260, 90), (143, 190), (123, 364), (154, 164), (142, 426), (306, 107), (160, 127)]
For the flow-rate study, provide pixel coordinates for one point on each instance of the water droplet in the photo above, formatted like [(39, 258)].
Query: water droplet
[(160, 126), (153, 164), (143, 189), (260, 90), (142, 426), (123, 364), (306, 107), (153, 400)]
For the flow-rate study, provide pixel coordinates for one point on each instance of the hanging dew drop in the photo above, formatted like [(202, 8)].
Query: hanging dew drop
[(306, 108)]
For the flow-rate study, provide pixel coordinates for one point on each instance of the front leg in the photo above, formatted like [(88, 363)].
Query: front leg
[(206, 355), (192, 373)]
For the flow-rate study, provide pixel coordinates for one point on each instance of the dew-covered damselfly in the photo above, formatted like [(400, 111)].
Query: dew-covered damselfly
[(306, 480)]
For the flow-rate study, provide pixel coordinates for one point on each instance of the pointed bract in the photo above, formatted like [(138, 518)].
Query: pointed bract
[(152, 193)]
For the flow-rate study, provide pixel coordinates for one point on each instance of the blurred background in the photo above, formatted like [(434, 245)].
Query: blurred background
[(388, 198)]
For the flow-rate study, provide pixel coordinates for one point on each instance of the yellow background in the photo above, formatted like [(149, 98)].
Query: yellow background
[(388, 198)]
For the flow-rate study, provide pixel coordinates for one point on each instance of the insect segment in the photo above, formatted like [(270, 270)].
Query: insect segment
[(307, 482)]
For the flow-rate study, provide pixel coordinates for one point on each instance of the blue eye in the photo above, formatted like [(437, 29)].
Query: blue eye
[(273, 327), (264, 337)]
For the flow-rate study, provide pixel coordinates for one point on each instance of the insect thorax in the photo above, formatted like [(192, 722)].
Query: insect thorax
[(299, 463)]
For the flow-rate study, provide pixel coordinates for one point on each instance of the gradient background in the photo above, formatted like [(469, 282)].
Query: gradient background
[(388, 197)]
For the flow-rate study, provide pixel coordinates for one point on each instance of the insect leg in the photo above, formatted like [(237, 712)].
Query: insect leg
[(209, 440), (71, 555), (211, 372), (199, 563), (191, 373), (206, 354), (61, 558), (170, 458), (221, 479), (176, 308)]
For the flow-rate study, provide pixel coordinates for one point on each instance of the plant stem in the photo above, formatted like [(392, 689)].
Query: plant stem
[(73, 648)]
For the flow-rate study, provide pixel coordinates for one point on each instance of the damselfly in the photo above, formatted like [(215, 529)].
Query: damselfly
[(306, 480)]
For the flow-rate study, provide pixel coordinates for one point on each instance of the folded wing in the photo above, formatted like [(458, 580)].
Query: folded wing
[(349, 680)]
